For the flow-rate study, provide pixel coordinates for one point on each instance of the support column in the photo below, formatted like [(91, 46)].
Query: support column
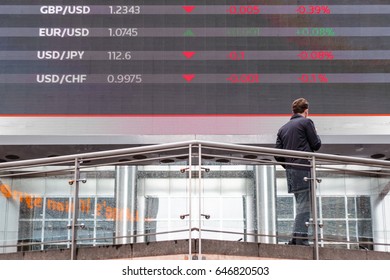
[(380, 209), (125, 193), (265, 203)]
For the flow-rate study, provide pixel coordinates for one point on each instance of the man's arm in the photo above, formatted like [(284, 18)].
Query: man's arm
[(312, 136), (279, 145)]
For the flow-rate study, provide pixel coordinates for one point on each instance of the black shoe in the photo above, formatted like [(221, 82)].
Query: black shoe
[(301, 240), (292, 242), (302, 243)]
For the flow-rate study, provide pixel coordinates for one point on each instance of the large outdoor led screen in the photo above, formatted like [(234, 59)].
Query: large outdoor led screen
[(200, 57)]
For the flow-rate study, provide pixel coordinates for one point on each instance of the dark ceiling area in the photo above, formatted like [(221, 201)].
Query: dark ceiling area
[(12, 153)]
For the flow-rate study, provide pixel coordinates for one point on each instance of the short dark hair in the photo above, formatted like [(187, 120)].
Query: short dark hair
[(299, 105)]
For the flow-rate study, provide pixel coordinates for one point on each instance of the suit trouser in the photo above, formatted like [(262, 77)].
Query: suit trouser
[(302, 216), (302, 194)]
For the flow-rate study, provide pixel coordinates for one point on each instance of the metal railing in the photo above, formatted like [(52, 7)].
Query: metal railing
[(192, 152)]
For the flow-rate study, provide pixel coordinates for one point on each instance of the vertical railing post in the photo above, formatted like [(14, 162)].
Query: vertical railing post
[(314, 207), (190, 202), (200, 199), (75, 209)]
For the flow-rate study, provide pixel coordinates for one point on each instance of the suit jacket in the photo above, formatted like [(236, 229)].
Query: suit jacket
[(298, 134)]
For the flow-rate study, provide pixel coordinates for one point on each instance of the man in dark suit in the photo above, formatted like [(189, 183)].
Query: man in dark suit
[(299, 134)]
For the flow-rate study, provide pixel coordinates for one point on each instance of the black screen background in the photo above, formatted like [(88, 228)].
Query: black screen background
[(193, 98)]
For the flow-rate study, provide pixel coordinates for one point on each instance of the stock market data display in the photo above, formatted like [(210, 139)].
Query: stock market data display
[(194, 57)]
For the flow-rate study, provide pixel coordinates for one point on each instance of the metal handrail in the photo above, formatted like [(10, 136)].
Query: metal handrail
[(206, 144), (67, 241), (95, 155), (192, 146)]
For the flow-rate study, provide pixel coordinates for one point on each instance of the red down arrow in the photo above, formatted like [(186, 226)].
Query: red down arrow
[(188, 9), (188, 77), (188, 54)]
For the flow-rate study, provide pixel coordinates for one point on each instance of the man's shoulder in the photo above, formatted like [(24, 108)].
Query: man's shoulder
[(296, 121), (302, 120), (307, 120)]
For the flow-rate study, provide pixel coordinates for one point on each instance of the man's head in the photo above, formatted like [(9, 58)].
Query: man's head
[(300, 106)]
